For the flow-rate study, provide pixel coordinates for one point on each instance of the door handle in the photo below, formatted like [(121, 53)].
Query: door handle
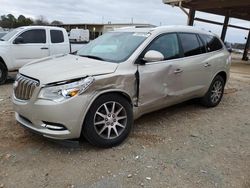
[(44, 48), (207, 65), (178, 71)]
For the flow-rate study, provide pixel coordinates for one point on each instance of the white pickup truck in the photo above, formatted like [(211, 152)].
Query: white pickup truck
[(26, 44)]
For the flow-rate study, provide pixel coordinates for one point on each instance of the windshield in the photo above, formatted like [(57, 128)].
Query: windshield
[(114, 46), (9, 35), (2, 34)]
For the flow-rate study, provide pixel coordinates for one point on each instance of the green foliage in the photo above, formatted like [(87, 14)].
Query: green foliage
[(10, 21), (56, 22), (41, 20)]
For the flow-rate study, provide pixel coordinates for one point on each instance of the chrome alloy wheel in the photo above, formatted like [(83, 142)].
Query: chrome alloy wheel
[(110, 120), (216, 92)]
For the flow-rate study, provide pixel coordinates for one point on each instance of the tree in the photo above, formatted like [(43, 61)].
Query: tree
[(10, 21), (21, 18), (29, 21), (7, 21), (56, 22), (22, 21), (41, 20)]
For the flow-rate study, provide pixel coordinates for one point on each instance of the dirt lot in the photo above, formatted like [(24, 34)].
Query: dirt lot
[(185, 146)]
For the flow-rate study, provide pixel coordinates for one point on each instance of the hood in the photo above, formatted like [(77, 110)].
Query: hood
[(4, 48), (4, 43), (66, 67)]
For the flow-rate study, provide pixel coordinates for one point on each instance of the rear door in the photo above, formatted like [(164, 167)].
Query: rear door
[(59, 43), (196, 66), (34, 46), (215, 59)]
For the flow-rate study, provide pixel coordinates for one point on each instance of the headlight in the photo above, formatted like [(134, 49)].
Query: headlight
[(62, 92)]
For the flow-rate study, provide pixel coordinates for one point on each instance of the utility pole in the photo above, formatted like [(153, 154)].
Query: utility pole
[(102, 19)]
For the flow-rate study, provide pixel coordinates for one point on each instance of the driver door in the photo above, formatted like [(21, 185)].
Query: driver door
[(33, 46), (161, 82)]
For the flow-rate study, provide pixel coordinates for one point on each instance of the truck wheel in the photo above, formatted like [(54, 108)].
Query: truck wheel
[(215, 92), (3, 73), (108, 121)]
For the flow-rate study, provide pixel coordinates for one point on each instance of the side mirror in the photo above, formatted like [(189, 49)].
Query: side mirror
[(18, 40), (74, 53), (153, 56), (230, 50)]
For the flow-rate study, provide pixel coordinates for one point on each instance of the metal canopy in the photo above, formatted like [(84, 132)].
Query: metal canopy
[(229, 8), (233, 8)]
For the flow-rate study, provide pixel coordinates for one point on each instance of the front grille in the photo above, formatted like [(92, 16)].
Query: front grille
[(24, 87)]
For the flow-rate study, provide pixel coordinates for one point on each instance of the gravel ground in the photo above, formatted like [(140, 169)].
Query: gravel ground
[(185, 146)]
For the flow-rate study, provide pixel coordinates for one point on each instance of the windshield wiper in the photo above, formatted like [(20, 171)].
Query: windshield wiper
[(92, 57)]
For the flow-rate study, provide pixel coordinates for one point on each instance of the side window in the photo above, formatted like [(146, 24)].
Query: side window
[(190, 44), (202, 45), (168, 45), (34, 36), (212, 42), (56, 36)]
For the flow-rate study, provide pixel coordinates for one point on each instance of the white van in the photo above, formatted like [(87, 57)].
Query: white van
[(79, 35)]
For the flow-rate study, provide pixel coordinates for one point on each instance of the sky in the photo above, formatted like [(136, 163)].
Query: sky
[(117, 11)]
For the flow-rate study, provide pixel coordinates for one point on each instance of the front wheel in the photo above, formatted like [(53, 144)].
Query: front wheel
[(3, 73), (215, 93), (108, 121)]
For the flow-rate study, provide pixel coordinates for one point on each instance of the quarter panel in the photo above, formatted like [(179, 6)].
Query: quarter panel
[(220, 62)]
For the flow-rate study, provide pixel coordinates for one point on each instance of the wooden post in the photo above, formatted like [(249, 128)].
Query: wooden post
[(191, 17), (245, 58), (224, 29)]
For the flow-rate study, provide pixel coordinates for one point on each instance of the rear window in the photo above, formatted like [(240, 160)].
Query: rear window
[(202, 45), (212, 42), (56, 36), (190, 44)]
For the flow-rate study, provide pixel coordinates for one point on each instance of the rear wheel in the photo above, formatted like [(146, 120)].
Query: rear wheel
[(3, 73), (215, 92), (109, 121)]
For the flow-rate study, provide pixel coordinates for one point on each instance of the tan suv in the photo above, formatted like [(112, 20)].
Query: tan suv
[(117, 78)]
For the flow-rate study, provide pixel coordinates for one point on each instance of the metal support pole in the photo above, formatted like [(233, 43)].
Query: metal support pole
[(191, 16), (245, 58), (224, 29)]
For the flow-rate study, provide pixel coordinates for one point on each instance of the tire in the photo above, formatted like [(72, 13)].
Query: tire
[(215, 93), (108, 121), (3, 73)]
